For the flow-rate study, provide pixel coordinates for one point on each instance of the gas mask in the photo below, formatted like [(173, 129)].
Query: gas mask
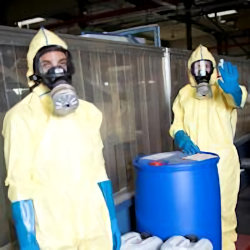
[(202, 71), (58, 79)]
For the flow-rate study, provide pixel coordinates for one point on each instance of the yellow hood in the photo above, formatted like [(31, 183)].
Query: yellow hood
[(201, 52), (42, 38)]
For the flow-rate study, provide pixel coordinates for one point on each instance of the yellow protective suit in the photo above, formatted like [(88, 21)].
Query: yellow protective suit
[(57, 162), (211, 125)]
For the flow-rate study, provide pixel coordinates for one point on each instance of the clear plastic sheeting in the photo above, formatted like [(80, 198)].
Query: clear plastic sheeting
[(123, 84)]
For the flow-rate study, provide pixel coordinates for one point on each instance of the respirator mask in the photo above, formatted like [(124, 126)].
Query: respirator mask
[(56, 74), (202, 71)]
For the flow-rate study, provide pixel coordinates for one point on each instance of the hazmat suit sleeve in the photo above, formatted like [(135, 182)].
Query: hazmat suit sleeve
[(244, 96), (18, 157), (178, 117), (99, 163), (231, 102), (103, 182), (101, 174)]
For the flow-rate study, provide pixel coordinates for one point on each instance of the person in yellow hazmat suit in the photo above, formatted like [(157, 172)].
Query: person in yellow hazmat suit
[(60, 194), (205, 115)]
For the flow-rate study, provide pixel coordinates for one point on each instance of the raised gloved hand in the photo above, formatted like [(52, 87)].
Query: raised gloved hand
[(24, 220), (230, 85), (106, 189), (183, 141)]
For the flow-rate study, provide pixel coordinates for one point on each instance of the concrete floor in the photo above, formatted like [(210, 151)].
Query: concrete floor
[(243, 210), (243, 242), (243, 217)]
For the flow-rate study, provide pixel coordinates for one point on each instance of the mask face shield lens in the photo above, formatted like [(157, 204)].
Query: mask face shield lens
[(202, 71), (51, 60), (52, 67)]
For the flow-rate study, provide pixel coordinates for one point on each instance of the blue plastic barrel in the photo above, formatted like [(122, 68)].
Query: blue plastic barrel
[(176, 196)]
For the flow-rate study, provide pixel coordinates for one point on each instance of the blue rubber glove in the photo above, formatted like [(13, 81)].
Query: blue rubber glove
[(24, 220), (183, 141), (230, 85), (106, 189)]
